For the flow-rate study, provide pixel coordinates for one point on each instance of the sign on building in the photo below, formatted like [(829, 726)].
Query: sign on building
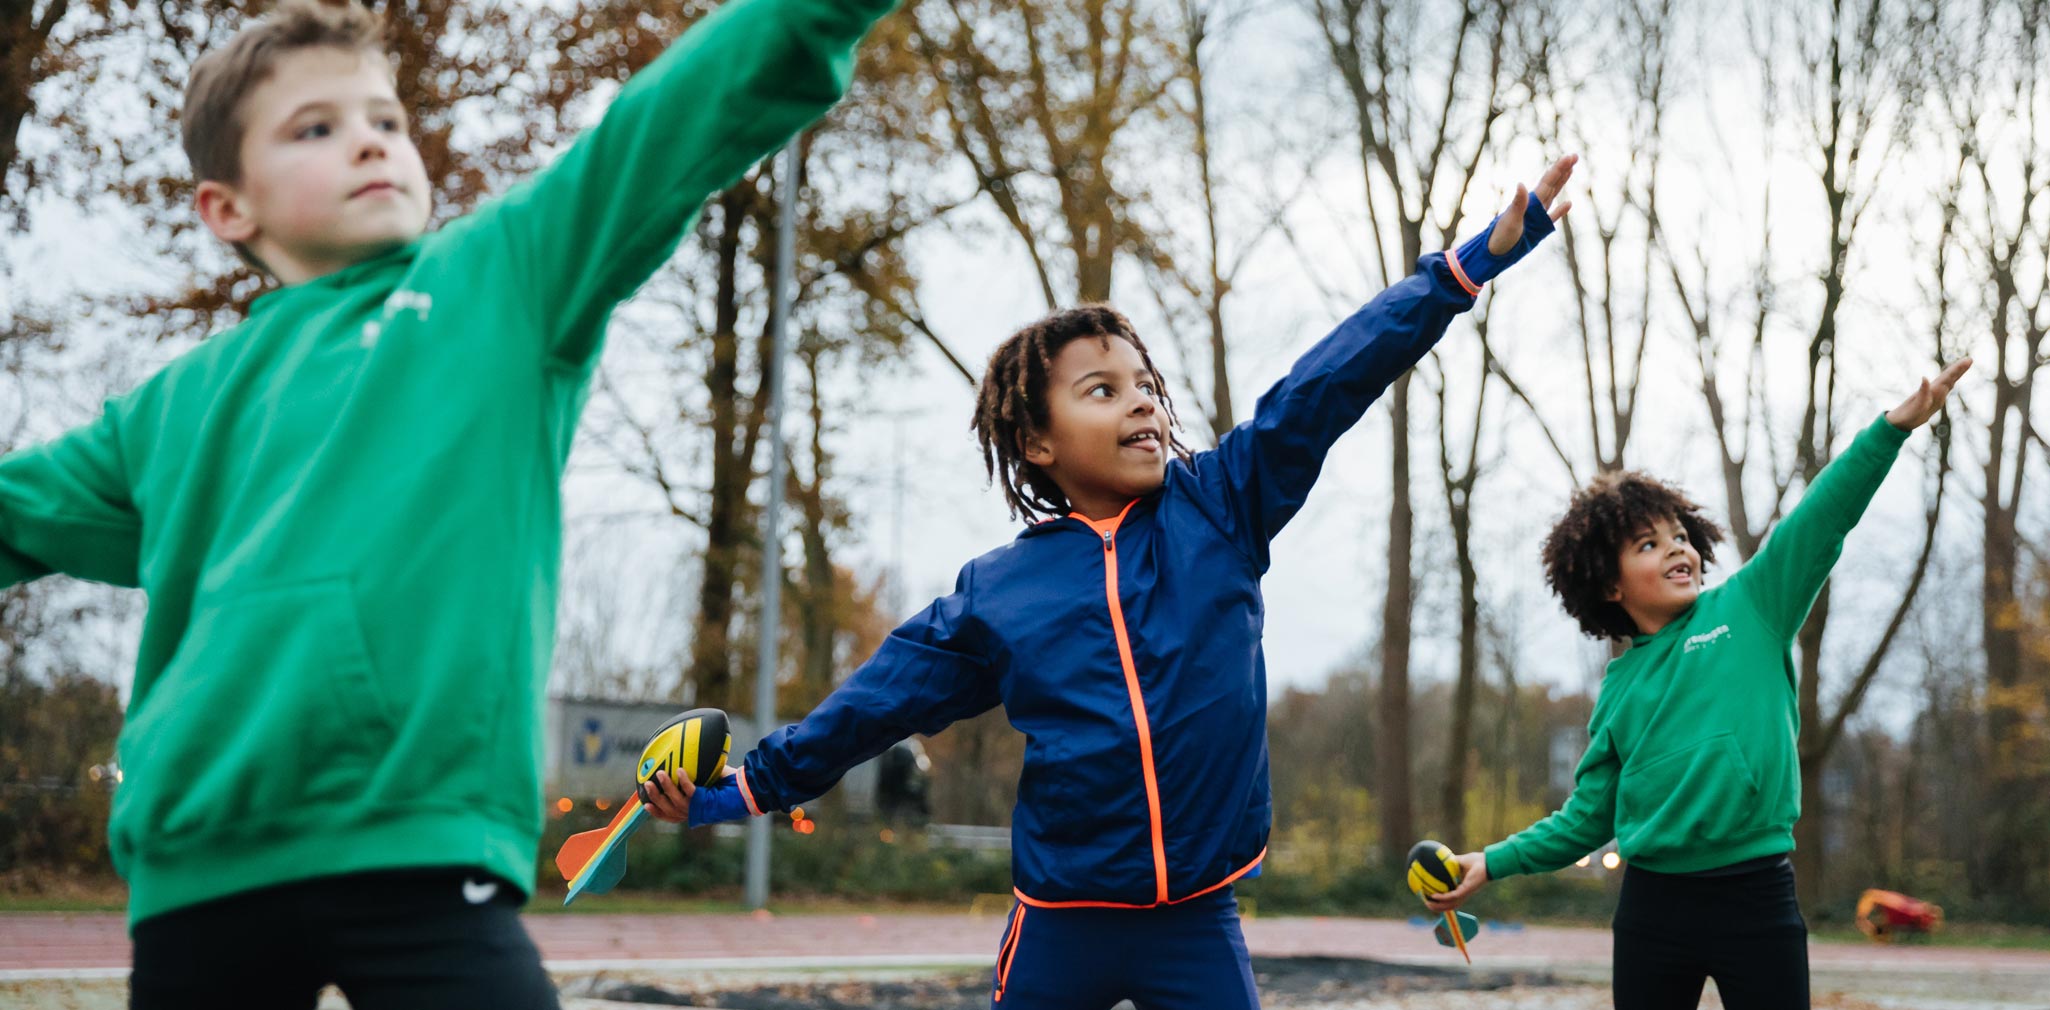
[(593, 746)]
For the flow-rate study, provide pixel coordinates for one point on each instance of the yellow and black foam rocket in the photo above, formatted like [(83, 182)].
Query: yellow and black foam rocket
[(695, 744), (1433, 869)]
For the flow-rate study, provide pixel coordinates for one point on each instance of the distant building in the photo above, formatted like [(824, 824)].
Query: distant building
[(593, 746)]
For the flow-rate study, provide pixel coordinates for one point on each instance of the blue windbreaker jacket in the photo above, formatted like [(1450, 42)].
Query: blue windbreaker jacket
[(1127, 650)]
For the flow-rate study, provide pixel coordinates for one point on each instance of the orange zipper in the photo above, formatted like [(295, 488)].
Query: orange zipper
[(1108, 530)]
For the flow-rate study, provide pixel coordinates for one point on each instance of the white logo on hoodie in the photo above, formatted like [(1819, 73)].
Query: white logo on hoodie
[(1706, 638), (420, 303)]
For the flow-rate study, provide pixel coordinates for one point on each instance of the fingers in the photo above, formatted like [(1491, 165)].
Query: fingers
[(1950, 375), (665, 799), (1560, 210), (1555, 178), (1516, 203), (1451, 899)]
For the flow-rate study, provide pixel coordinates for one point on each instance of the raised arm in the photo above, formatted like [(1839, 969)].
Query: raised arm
[(1262, 471), (65, 507), (586, 232), (1783, 578)]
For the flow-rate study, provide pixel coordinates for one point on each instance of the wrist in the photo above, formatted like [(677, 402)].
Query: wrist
[(717, 803), (1473, 264)]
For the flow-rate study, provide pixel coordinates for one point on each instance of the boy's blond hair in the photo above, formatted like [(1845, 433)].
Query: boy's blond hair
[(222, 79)]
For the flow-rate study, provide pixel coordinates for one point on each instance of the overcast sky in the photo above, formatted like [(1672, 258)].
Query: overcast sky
[(921, 500)]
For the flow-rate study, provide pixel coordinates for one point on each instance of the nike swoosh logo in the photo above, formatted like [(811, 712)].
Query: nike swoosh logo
[(478, 892)]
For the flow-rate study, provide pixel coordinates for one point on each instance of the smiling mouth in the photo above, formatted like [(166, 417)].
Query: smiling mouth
[(375, 187), (1147, 441), (1681, 573)]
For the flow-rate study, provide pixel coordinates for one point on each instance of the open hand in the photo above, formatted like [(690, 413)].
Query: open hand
[(1923, 403), (1473, 875), (1509, 227)]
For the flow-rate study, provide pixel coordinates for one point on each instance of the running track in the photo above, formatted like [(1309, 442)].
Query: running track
[(65, 943)]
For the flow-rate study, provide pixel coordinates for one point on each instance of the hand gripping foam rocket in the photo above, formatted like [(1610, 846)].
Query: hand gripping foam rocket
[(1434, 870), (693, 744)]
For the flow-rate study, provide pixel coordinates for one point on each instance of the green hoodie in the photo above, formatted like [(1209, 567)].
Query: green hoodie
[(347, 510), (1690, 762)]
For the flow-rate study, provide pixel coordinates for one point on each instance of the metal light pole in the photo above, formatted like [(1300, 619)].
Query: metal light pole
[(772, 515)]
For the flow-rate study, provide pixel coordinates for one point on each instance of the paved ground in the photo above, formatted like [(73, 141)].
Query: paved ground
[(79, 960)]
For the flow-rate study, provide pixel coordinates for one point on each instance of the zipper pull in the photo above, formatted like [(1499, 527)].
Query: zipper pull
[(1107, 543)]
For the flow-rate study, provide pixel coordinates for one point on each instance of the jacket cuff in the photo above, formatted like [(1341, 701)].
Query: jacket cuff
[(1473, 265), (718, 803)]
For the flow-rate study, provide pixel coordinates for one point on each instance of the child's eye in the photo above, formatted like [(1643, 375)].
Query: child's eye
[(1147, 388), (311, 131), (391, 125), (1102, 388)]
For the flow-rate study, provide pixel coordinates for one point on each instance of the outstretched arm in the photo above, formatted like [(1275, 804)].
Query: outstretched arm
[(1261, 472), (586, 232), (65, 507), (1580, 825), (1783, 578), (927, 675)]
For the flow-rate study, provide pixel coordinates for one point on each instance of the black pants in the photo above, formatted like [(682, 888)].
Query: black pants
[(391, 940), (1744, 930)]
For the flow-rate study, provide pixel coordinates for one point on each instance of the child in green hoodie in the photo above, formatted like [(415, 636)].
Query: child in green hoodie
[(347, 514), (1691, 764)]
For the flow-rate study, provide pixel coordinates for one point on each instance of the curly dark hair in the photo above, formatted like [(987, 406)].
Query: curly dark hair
[(1011, 402), (1583, 551)]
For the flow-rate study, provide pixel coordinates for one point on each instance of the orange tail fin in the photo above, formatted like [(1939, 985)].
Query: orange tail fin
[(578, 849)]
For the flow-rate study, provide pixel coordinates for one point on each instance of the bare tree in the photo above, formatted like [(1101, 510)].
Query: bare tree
[(1997, 112), (1852, 78), (1611, 279), (1459, 482), (1424, 84), (1192, 278)]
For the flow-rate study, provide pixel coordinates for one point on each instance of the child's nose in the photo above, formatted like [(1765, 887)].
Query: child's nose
[(370, 146)]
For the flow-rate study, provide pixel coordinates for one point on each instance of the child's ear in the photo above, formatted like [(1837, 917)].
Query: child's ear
[(225, 212), (1037, 451), (1615, 593)]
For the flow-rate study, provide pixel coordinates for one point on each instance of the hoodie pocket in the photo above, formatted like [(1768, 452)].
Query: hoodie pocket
[(1702, 793), (269, 707)]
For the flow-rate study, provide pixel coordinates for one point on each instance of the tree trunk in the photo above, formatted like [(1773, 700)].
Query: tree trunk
[(1393, 764), (820, 597), (726, 522), (2013, 845), (1457, 755), (23, 41)]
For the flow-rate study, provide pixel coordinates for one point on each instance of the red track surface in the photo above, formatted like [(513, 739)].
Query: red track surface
[(55, 941)]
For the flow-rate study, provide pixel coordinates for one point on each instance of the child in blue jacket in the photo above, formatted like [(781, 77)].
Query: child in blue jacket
[(1121, 633)]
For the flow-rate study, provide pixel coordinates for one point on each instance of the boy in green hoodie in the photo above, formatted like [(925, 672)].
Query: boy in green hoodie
[(1690, 764), (346, 510)]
